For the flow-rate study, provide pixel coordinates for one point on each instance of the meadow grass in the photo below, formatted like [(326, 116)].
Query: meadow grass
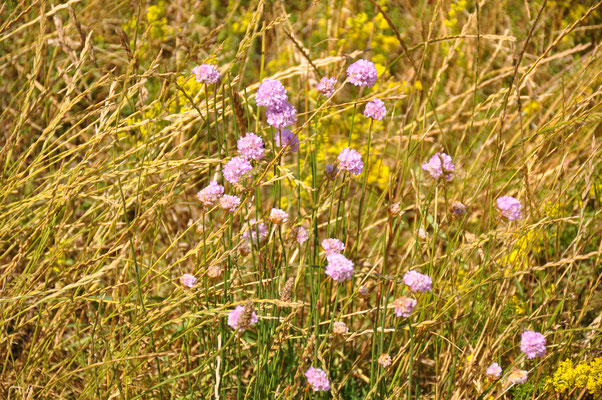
[(107, 137)]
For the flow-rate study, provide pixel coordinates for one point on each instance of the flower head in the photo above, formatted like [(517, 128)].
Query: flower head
[(332, 246), (242, 317), (518, 376), (439, 165), (510, 207), (281, 116), (458, 209), (417, 282), (278, 216), (421, 234), (251, 147), (210, 194), (351, 160), (301, 234), (404, 306), (206, 73), (362, 73), (375, 109), (384, 360), (339, 328), (270, 94), (188, 280), (237, 168), (326, 86), (330, 171), (229, 203), (395, 209), (215, 271), (318, 379), (493, 372), (258, 231), (533, 344), (287, 138), (339, 267)]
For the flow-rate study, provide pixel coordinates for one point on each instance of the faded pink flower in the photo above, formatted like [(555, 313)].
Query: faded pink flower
[(234, 316), (404, 306), (318, 379), (301, 235), (211, 194), (206, 73), (229, 203), (278, 216), (332, 246), (188, 280), (326, 86)]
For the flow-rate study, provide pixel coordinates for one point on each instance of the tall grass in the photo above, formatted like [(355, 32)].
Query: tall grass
[(107, 138)]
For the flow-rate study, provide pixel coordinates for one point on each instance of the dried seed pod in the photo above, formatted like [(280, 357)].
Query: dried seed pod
[(244, 321), (286, 293)]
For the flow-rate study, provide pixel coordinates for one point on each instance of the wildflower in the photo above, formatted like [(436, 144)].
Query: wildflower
[(339, 328), (421, 234), (229, 203), (330, 171), (458, 209), (493, 372), (188, 280), (242, 317), (318, 379), (237, 168), (258, 231), (326, 86), (375, 110), (339, 267), (211, 194), (215, 271), (332, 246), (395, 209), (364, 291), (404, 306), (351, 160), (417, 282), (251, 147), (533, 344), (287, 290), (278, 216), (510, 207), (439, 165), (270, 94), (286, 138), (206, 73), (517, 376), (384, 360), (301, 235), (362, 73), (281, 116)]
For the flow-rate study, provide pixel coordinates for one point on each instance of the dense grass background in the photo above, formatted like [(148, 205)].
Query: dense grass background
[(106, 138)]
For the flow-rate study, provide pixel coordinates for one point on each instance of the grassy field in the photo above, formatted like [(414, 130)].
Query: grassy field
[(109, 132)]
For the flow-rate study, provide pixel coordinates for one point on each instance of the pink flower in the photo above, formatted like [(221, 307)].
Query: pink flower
[(533, 344), (234, 316), (332, 246), (362, 73), (326, 86), (206, 73), (375, 109), (417, 282), (211, 194), (237, 168), (278, 216), (281, 116), (229, 203), (318, 379), (339, 328), (440, 165), (351, 160), (510, 207), (404, 306), (339, 268), (518, 376), (493, 372), (384, 360), (188, 280), (251, 147), (258, 231), (301, 235), (286, 138), (270, 94)]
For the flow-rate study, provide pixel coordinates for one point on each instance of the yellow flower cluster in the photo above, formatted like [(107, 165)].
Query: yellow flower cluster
[(518, 306), (156, 19), (568, 376), (457, 7), (530, 240), (532, 107)]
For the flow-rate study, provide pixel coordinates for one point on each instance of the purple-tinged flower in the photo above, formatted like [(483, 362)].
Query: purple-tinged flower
[(362, 73), (318, 379), (518, 376), (417, 282), (281, 116), (332, 246), (510, 207), (188, 280), (330, 171), (206, 73), (258, 231), (210, 194), (301, 235), (251, 146), (229, 203), (404, 306), (278, 216), (287, 138), (458, 208), (351, 160), (326, 86), (533, 344), (271, 94), (493, 372), (238, 320), (375, 109), (339, 328), (384, 360), (440, 165), (339, 267), (237, 168)]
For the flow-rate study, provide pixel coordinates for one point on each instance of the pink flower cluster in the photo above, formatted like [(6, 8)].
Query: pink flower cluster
[(362, 73), (285, 138), (211, 194), (237, 168), (188, 280), (326, 86), (339, 267), (375, 109), (351, 160), (272, 95), (533, 344), (318, 379), (234, 315), (301, 235), (404, 306), (417, 282), (332, 246), (206, 73), (510, 207), (440, 165), (251, 146)]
